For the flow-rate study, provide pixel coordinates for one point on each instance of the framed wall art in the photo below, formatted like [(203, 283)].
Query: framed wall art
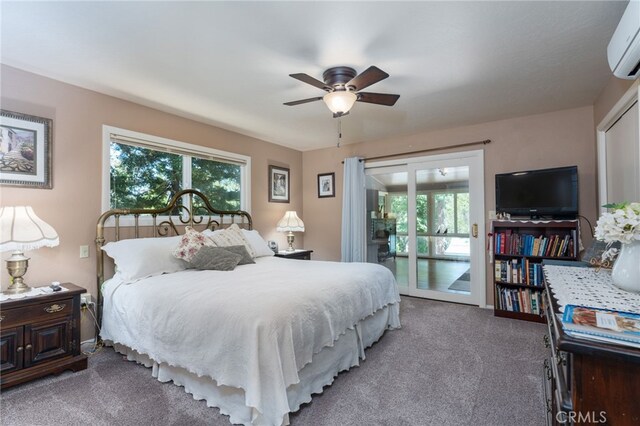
[(25, 150), (326, 185), (278, 184)]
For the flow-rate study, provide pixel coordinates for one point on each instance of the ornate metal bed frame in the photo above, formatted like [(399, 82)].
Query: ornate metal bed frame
[(179, 216)]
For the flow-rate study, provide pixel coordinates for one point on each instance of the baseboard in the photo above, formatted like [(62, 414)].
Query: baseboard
[(489, 307)]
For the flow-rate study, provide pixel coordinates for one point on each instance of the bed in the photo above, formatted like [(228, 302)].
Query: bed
[(256, 341)]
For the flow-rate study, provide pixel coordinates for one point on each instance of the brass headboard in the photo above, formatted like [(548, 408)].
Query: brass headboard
[(173, 218)]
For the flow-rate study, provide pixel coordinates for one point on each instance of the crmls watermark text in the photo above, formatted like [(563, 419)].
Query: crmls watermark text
[(589, 417)]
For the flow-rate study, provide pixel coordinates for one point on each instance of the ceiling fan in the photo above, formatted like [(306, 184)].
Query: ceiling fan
[(343, 85)]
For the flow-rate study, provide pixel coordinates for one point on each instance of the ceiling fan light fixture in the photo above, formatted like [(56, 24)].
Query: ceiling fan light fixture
[(340, 101)]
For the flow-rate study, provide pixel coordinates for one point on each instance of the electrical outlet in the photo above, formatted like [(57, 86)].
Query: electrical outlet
[(84, 252), (85, 299)]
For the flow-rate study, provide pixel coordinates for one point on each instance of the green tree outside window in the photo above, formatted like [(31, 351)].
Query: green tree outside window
[(146, 178)]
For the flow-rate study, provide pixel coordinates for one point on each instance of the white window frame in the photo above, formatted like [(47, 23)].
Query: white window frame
[(164, 144)]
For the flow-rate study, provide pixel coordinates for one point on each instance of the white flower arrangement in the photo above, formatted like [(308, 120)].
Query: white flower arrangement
[(622, 224)]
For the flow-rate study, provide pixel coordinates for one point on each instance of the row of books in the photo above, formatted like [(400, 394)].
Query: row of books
[(529, 245), (520, 300), (602, 325), (519, 271)]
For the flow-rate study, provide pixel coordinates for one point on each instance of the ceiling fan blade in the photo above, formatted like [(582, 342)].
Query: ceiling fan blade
[(367, 77), (302, 101), (306, 78), (378, 98)]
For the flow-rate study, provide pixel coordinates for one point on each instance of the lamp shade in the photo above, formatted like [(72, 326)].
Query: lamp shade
[(21, 229), (340, 101), (290, 223)]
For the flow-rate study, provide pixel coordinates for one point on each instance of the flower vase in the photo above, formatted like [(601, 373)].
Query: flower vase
[(626, 269)]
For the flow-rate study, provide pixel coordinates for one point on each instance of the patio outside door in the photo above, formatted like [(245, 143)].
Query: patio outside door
[(425, 223)]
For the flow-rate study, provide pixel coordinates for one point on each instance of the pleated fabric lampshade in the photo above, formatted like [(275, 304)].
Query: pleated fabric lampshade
[(290, 223)]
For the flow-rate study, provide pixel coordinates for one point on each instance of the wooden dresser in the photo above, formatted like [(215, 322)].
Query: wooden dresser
[(588, 382), (40, 335)]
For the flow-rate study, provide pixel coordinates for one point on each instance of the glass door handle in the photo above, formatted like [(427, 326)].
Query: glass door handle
[(474, 230)]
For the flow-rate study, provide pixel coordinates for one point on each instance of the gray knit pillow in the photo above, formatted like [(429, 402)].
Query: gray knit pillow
[(242, 251), (215, 258)]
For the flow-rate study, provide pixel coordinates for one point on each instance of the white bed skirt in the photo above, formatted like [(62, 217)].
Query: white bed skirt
[(324, 367)]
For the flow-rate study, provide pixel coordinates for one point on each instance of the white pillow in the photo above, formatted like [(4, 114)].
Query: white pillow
[(258, 243), (145, 257)]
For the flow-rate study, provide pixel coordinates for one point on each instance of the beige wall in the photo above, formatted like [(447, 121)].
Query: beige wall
[(611, 93), (73, 205), (546, 140)]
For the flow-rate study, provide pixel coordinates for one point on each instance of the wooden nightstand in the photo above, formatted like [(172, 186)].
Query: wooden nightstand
[(40, 335), (298, 254)]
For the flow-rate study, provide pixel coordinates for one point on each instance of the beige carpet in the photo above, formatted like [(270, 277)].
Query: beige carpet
[(449, 365)]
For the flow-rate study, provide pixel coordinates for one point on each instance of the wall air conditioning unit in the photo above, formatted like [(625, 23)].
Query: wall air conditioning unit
[(623, 51)]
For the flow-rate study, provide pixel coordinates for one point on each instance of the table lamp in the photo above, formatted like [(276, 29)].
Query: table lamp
[(21, 230), (290, 223)]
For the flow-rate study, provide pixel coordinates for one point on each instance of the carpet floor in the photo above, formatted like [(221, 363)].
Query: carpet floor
[(449, 365)]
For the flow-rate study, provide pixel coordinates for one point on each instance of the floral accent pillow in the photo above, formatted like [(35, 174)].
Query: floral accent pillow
[(190, 244)]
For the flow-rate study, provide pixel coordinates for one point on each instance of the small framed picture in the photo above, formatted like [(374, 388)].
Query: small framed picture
[(326, 185), (278, 184), (25, 150)]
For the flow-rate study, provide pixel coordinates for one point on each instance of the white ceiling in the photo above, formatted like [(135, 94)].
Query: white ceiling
[(227, 63)]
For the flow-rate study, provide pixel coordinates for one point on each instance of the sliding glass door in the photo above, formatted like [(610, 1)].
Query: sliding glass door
[(424, 220)]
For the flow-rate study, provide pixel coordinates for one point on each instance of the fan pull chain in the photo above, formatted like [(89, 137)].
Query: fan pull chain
[(339, 131)]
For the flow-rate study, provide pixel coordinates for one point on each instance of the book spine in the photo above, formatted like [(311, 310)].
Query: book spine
[(549, 246), (536, 247)]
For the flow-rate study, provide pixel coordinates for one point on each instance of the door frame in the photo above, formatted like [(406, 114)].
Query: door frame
[(627, 100), (475, 159)]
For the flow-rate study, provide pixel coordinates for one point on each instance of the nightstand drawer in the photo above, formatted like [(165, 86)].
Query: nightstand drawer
[(37, 312)]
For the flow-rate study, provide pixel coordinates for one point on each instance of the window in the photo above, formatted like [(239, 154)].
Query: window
[(437, 213), (144, 171)]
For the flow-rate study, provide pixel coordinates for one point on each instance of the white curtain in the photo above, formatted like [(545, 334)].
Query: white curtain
[(353, 211)]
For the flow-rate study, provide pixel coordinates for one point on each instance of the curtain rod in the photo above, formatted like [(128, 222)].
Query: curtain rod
[(484, 142)]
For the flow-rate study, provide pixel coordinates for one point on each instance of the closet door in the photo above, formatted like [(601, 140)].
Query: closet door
[(622, 159)]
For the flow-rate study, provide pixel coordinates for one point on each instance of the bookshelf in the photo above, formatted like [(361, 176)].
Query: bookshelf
[(519, 247)]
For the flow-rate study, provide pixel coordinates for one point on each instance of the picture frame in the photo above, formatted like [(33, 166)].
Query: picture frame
[(279, 184), (25, 150), (326, 185)]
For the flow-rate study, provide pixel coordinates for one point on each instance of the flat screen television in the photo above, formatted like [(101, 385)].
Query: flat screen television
[(537, 193)]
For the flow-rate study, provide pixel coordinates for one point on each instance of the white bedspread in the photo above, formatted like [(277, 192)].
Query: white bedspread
[(252, 328)]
